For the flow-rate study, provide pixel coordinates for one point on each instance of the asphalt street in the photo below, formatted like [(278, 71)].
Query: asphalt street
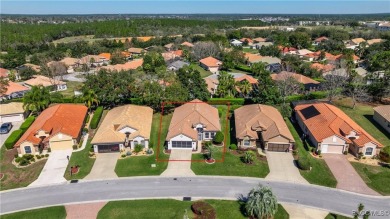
[(333, 200)]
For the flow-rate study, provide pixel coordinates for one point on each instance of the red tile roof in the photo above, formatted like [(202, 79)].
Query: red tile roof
[(4, 72), (14, 87), (210, 62), (300, 78), (320, 39), (323, 68)]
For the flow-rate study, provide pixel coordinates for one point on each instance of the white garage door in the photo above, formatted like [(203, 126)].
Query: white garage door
[(11, 118), (332, 149)]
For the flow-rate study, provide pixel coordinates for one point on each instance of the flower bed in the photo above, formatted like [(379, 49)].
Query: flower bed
[(209, 161), (28, 159), (74, 169), (203, 210)]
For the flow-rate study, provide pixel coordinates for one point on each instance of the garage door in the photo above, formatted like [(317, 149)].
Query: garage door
[(182, 144), (11, 118), (332, 149), (278, 147), (108, 148), (61, 145)]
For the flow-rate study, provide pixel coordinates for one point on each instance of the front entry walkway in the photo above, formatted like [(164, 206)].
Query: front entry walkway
[(346, 176), (104, 166), (282, 167), (179, 163), (54, 169)]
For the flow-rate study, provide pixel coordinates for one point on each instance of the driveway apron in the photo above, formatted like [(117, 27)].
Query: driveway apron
[(179, 163), (346, 176), (104, 166)]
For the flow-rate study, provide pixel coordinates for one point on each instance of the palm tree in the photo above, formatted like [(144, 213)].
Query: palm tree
[(245, 87), (90, 98), (226, 85), (261, 202), (37, 99)]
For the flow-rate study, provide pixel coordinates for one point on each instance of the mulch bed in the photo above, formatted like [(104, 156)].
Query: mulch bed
[(167, 151), (75, 169), (211, 161)]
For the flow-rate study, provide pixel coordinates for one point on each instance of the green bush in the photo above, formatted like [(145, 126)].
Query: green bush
[(87, 119), (46, 155), (13, 138), (220, 112), (295, 97), (24, 162), (96, 118), (85, 130), (17, 160), (224, 101), (319, 152), (123, 155), (27, 123), (49, 150), (233, 147), (75, 147), (28, 156), (234, 107), (384, 154), (32, 160), (218, 138), (316, 95), (138, 148), (39, 157), (244, 68), (136, 101), (304, 163)]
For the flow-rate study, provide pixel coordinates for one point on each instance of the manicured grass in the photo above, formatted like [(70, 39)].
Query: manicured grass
[(57, 212), (82, 159), (168, 208), (363, 115), (72, 86), (377, 178), (320, 173), (336, 216), (249, 50), (203, 73), (17, 177), (141, 166)]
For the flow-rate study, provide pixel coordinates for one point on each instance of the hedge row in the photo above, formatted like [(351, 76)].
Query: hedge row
[(13, 138), (96, 117), (223, 101), (310, 96), (27, 123), (244, 68)]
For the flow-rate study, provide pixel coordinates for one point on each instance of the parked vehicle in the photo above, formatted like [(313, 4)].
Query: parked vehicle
[(5, 128)]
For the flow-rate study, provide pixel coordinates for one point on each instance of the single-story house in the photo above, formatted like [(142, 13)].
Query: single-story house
[(94, 60), (361, 71), (382, 116), (235, 42), (252, 58), (319, 40), (259, 45), (324, 69), (36, 68), (210, 64), (212, 81), (176, 65), (273, 64), (58, 127), (353, 43), (14, 90), (123, 128), (259, 40), (132, 65), (12, 112), (168, 47), (373, 41), (309, 83), (172, 55), (248, 40), (262, 126), (192, 123), (330, 130), (136, 51), (53, 84), (187, 44), (286, 50)]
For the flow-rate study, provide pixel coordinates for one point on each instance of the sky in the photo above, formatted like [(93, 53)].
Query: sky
[(194, 7)]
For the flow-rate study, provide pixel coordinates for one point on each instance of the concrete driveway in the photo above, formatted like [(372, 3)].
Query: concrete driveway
[(178, 166), (346, 176), (54, 169), (3, 137), (282, 167), (104, 166)]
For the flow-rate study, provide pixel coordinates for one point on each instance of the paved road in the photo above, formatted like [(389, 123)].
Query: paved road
[(334, 200), (3, 137)]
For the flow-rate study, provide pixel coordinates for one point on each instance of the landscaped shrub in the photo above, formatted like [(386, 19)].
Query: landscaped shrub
[(203, 210), (295, 152), (24, 162), (149, 151), (220, 111), (28, 156), (233, 147), (49, 150), (75, 147), (319, 152), (304, 163), (345, 152), (218, 138), (46, 155), (17, 160), (224, 101), (138, 148), (38, 157), (85, 130), (295, 97), (249, 157), (32, 160), (27, 123), (384, 154), (91, 149), (243, 68), (123, 155), (13, 138), (16, 156), (316, 95), (87, 119), (96, 118)]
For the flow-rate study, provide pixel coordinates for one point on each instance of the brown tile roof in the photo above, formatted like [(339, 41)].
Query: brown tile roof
[(67, 119), (373, 41), (42, 80), (4, 72), (68, 61), (253, 58), (136, 50), (133, 116), (250, 119), (188, 44), (136, 63), (300, 78), (210, 62), (259, 39), (323, 68), (11, 108), (211, 84), (106, 55), (36, 68), (320, 39), (187, 116), (14, 87), (384, 111), (249, 78), (330, 121), (247, 39), (358, 40)]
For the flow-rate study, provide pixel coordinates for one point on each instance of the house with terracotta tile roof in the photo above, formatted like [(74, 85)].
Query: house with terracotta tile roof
[(14, 90), (319, 40), (212, 81), (262, 126), (259, 40), (187, 44), (122, 128), (132, 65), (330, 130), (353, 43), (248, 40), (94, 60), (285, 49), (106, 55), (252, 58), (52, 84), (58, 127), (168, 47), (324, 69), (373, 41), (136, 51), (308, 83), (36, 68), (210, 64), (4, 72), (382, 116), (192, 123), (69, 62)]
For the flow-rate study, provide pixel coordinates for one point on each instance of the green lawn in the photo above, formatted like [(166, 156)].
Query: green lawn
[(336, 216), (17, 177), (249, 50), (232, 165), (363, 115), (203, 73), (377, 178), (320, 173), (82, 159), (168, 208), (57, 212), (141, 166), (72, 86)]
